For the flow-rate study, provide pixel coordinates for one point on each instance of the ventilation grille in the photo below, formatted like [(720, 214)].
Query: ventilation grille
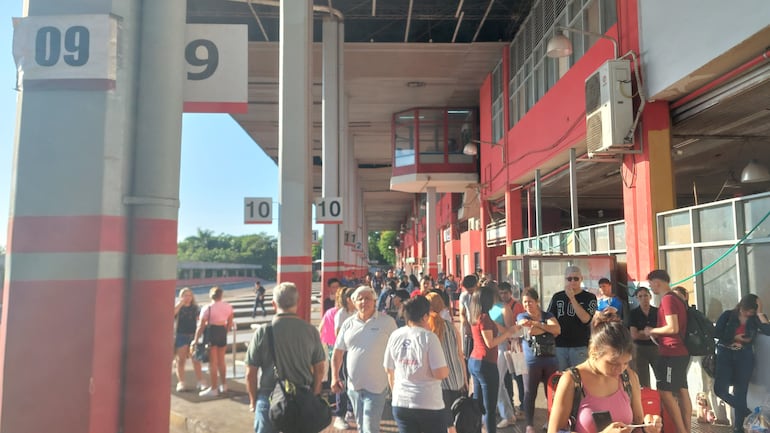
[(594, 133)]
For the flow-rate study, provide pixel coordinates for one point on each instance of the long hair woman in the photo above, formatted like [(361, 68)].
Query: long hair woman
[(416, 366), (736, 331), (482, 364), (218, 317), (535, 322), (186, 313), (605, 379), (451, 345)]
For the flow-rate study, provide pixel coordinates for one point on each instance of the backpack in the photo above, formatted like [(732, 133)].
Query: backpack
[(580, 393), (699, 333), (466, 414)]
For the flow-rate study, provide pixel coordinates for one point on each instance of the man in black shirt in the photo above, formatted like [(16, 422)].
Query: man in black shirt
[(643, 316), (573, 307)]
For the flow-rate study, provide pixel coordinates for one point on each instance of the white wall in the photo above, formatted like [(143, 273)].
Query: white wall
[(678, 37)]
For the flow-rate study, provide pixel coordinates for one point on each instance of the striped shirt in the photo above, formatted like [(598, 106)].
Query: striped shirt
[(455, 380)]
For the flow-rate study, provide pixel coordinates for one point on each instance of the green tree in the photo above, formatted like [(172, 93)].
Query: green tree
[(386, 245), (256, 249), (317, 248), (374, 250)]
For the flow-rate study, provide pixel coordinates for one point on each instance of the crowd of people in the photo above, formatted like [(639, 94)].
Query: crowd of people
[(393, 337)]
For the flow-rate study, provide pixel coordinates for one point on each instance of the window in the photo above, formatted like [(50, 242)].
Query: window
[(498, 120)]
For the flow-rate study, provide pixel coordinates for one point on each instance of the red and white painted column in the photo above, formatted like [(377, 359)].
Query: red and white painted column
[(91, 254), (333, 39), (431, 232), (294, 141)]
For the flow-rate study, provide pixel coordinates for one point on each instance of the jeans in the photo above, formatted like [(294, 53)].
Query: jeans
[(570, 356), (504, 406), (485, 388), (262, 422), (368, 407), (258, 303), (419, 420), (734, 367), (537, 373)]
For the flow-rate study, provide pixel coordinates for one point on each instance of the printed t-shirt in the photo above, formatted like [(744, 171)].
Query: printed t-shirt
[(412, 353), (574, 333)]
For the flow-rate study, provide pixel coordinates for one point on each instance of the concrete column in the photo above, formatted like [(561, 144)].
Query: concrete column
[(330, 251), (294, 154), (431, 232), (514, 226), (153, 206), (573, 193), (648, 190)]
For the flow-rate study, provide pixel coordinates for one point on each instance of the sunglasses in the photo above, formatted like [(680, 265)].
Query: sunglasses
[(573, 278)]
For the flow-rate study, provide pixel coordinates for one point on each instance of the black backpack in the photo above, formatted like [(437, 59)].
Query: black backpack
[(699, 335), (466, 414)]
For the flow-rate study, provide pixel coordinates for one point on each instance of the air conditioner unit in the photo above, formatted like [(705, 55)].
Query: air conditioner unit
[(609, 113)]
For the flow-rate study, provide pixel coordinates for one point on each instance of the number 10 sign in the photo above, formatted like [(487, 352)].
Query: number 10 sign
[(328, 210), (257, 210)]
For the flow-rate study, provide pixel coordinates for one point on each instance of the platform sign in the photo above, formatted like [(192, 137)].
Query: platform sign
[(257, 210), (350, 238), (358, 246), (216, 68), (66, 51), (315, 237), (328, 210)]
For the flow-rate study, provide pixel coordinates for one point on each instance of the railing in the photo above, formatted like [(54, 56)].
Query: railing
[(496, 233), (605, 238)]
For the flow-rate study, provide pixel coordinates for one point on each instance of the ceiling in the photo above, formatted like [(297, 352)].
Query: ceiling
[(710, 144)]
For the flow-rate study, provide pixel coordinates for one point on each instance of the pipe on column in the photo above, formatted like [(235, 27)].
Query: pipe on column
[(153, 207), (573, 198), (538, 203)]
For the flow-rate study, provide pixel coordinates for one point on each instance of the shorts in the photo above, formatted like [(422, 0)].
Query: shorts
[(217, 335), (671, 372), (183, 340)]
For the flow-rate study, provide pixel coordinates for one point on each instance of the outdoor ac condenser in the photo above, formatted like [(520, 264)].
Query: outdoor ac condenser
[(609, 113)]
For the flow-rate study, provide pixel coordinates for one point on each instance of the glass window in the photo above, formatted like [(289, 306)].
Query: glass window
[(758, 256), (609, 14), (716, 223), (583, 241), (619, 236), (676, 229), (679, 266), (601, 239), (431, 143), (404, 144), (755, 210), (720, 282)]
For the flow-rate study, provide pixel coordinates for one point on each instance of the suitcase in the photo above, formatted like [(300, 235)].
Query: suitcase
[(651, 404), (553, 381)]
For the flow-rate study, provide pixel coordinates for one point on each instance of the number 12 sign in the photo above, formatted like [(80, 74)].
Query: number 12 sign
[(328, 210), (257, 210)]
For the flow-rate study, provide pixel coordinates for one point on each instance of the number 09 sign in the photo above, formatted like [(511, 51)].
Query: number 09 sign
[(328, 210), (257, 210)]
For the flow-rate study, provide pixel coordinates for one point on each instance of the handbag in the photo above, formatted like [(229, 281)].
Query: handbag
[(202, 349), (709, 364), (295, 409), (543, 345)]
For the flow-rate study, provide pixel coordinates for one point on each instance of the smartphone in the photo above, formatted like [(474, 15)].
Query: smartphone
[(602, 420)]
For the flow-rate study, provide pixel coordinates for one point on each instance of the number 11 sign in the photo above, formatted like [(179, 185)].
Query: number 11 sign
[(328, 210)]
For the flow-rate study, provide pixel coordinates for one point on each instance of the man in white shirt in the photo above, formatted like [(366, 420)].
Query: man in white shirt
[(364, 336), (470, 284)]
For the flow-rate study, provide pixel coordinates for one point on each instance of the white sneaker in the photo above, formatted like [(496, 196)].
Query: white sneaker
[(506, 422), (201, 386), (223, 388), (180, 387), (340, 424), (209, 392), (350, 419)]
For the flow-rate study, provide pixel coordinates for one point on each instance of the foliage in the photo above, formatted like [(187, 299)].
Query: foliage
[(317, 248), (256, 249), (386, 245), (374, 250)]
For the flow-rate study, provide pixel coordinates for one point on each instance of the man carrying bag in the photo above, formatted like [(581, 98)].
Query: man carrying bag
[(301, 361)]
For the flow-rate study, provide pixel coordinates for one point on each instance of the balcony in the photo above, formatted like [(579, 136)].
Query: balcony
[(427, 148)]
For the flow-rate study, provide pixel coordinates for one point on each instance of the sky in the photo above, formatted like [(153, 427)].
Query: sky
[(220, 163)]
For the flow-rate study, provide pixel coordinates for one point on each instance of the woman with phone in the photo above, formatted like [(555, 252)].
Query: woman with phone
[(611, 399), (736, 330)]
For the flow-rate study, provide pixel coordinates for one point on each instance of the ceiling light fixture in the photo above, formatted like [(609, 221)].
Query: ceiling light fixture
[(415, 84), (754, 172), (560, 45), (471, 148)]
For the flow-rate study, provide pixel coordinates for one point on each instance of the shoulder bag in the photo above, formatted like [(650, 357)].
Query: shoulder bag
[(295, 409), (543, 345), (202, 349)]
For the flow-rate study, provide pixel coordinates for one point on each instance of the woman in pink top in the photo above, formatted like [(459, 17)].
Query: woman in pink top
[(218, 317), (609, 353)]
